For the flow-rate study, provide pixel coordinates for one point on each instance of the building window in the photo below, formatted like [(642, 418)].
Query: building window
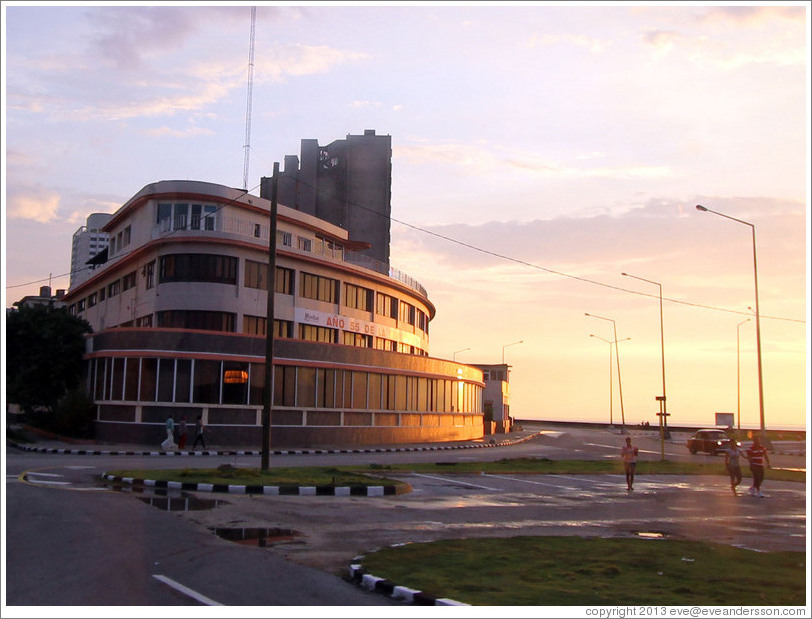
[(256, 230), (149, 274), (198, 268), (127, 234), (406, 313), (255, 325), (80, 305), (318, 288), (304, 244), (114, 288), (386, 305), (197, 319), (128, 281), (144, 321), (92, 299), (315, 333), (256, 277), (358, 297), (284, 238), (102, 294), (357, 339)]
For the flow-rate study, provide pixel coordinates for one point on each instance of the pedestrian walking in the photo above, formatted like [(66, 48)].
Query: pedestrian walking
[(169, 443), (629, 456), (183, 430), (733, 455), (199, 429), (758, 457)]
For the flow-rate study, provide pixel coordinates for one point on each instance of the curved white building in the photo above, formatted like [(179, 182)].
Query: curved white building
[(178, 312)]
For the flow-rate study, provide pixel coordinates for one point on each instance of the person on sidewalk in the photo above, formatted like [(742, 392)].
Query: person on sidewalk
[(199, 429), (169, 443), (183, 430), (629, 456), (758, 457), (733, 455)]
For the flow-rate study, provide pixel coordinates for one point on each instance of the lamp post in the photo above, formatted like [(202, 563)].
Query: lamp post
[(454, 354), (665, 432), (505, 346), (619, 384), (738, 380), (764, 440), (611, 399)]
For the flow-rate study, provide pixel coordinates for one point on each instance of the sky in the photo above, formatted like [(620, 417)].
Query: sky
[(540, 150)]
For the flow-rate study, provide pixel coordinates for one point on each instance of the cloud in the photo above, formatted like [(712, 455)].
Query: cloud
[(747, 15), (35, 204), (482, 158), (178, 133)]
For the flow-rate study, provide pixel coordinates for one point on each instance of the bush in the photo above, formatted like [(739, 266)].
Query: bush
[(72, 416)]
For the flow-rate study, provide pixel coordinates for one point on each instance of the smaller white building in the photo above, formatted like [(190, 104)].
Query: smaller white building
[(496, 396)]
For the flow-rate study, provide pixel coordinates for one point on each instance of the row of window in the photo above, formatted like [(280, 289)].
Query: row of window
[(214, 268), (147, 379)]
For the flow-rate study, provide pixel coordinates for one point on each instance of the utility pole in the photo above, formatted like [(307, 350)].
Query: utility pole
[(267, 400), (250, 97)]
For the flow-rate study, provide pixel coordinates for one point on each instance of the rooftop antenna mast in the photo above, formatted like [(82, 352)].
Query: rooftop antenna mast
[(250, 97)]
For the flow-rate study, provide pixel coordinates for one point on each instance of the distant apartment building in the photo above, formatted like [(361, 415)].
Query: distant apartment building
[(179, 318), (88, 241), (45, 297), (346, 183)]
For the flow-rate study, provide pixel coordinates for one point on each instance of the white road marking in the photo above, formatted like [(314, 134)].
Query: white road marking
[(186, 590), (456, 481), (44, 474), (528, 481)]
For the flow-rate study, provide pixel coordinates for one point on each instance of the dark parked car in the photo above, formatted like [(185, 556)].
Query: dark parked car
[(709, 441)]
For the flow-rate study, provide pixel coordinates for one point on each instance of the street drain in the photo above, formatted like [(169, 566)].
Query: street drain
[(183, 503), (256, 536)]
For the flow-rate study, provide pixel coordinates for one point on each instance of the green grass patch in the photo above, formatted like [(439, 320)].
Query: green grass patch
[(288, 476), (579, 467), (567, 571)]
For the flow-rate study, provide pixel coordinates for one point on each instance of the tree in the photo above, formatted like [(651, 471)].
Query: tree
[(44, 348)]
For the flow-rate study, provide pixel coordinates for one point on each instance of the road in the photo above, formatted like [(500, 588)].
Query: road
[(71, 542)]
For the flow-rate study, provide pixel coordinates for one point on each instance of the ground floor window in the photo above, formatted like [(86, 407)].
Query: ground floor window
[(228, 382)]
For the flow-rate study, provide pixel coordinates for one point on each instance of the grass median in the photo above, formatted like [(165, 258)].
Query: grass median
[(567, 571), (378, 474)]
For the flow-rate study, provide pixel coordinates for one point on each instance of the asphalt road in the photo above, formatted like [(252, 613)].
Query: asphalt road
[(71, 542)]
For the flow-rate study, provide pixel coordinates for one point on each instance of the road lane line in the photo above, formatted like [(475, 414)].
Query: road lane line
[(186, 590), (456, 481), (528, 481)]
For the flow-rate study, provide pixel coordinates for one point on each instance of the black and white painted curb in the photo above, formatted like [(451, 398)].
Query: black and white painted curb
[(357, 490), (257, 452), (359, 576)]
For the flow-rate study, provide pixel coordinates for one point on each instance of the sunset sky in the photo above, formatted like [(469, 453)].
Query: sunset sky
[(539, 151)]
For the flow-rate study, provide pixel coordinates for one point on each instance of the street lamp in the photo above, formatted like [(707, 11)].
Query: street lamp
[(738, 380), (619, 384), (764, 440), (505, 346), (611, 399), (454, 355), (664, 412)]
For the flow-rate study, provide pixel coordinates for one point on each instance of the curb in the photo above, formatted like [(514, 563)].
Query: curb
[(257, 452), (360, 577), (387, 490)]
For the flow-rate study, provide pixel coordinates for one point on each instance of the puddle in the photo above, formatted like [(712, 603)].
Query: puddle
[(183, 503), (167, 500), (650, 534), (256, 536)]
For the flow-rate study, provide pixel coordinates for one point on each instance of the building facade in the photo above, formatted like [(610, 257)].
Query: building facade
[(179, 310), (88, 241), (346, 183)]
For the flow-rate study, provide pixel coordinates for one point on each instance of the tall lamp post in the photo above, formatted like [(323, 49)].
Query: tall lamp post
[(506, 345), (611, 399), (454, 354), (764, 440), (619, 384), (738, 380), (665, 432)]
